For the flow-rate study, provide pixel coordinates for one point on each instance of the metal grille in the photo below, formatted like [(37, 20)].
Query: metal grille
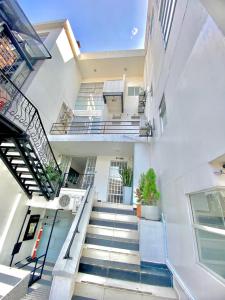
[(88, 177), (115, 185), (11, 62)]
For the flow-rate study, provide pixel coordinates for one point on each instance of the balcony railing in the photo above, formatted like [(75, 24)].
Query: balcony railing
[(96, 127), (16, 107)]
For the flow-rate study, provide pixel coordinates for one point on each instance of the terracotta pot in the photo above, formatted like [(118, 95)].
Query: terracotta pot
[(138, 210)]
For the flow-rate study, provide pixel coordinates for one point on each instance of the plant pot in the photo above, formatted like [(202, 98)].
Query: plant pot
[(150, 212), (127, 194), (138, 210)]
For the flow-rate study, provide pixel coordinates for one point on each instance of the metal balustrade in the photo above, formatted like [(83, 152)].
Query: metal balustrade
[(16, 109), (96, 127)]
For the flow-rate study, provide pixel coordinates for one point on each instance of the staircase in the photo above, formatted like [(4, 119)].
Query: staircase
[(110, 266), (24, 146), (40, 290), (23, 163)]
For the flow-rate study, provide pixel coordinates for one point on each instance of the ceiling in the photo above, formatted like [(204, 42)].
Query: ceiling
[(112, 64)]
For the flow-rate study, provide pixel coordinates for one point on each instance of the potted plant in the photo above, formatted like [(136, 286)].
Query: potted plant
[(150, 197), (127, 176), (138, 193)]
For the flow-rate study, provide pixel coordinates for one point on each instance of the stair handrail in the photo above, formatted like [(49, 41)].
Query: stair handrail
[(85, 201), (23, 113)]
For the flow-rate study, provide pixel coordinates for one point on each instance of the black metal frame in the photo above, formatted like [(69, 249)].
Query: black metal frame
[(114, 94), (96, 127), (27, 132), (33, 277)]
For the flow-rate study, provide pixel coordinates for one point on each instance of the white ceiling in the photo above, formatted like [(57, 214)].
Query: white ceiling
[(112, 64)]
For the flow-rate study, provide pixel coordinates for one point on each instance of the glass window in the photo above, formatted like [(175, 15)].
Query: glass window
[(208, 210), (166, 13), (133, 90), (162, 114)]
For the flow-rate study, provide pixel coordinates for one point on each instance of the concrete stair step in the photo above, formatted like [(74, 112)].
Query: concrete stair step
[(92, 251), (112, 242), (114, 210), (41, 293), (114, 217), (126, 271), (113, 205), (102, 288), (113, 232)]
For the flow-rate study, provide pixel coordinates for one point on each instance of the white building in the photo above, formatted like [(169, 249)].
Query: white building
[(158, 107)]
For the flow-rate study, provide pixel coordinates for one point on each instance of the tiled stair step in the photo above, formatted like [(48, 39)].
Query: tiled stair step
[(107, 241), (113, 205), (112, 254), (41, 293), (124, 271), (114, 210), (99, 288), (113, 232), (114, 217), (115, 224)]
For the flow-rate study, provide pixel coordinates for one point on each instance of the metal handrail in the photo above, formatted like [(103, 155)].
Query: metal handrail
[(96, 127), (17, 108), (67, 254)]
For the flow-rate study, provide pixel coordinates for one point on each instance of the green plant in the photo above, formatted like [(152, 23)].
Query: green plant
[(51, 172), (150, 193), (127, 176), (139, 190)]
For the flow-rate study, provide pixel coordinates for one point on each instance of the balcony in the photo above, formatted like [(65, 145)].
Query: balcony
[(96, 127), (20, 45)]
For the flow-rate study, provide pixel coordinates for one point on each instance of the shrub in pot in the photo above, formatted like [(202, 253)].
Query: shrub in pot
[(127, 176), (138, 193), (150, 197)]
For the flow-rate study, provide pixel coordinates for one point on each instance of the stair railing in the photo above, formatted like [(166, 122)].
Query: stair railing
[(76, 230), (17, 108)]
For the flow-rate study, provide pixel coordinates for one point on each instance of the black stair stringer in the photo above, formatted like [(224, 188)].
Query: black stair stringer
[(28, 159)]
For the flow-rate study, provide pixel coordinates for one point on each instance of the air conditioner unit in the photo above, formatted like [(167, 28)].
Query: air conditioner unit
[(64, 201)]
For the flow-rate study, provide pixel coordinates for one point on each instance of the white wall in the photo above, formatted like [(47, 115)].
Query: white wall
[(102, 175), (57, 80), (191, 73), (12, 213)]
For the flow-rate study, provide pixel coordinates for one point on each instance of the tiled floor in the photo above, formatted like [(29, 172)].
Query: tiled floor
[(110, 265)]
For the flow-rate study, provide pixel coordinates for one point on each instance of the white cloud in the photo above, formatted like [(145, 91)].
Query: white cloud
[(134, 32)]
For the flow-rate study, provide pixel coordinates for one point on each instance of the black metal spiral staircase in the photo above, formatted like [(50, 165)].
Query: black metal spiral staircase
[(24, 146)]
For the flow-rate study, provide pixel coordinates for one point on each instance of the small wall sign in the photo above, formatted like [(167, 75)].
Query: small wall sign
[(31, 227)]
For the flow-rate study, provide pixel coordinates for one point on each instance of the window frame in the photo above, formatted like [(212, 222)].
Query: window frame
[(134, 91), (162, 124), (210, 229), (166, 15)]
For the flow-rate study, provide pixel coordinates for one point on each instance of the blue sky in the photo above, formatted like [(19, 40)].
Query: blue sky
[(99, 25)]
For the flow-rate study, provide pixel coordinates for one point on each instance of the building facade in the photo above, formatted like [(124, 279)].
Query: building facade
[(89, 115)]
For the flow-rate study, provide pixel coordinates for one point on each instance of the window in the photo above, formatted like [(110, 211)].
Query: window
[(208, 209), (151, 22), (162, 114), (133, 90), (90, 97), (166, 13)]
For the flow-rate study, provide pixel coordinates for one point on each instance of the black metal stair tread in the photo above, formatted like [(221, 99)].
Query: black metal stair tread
[(124, 266), (112, 243), (113, 210), (112, 238), (115, 224)]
